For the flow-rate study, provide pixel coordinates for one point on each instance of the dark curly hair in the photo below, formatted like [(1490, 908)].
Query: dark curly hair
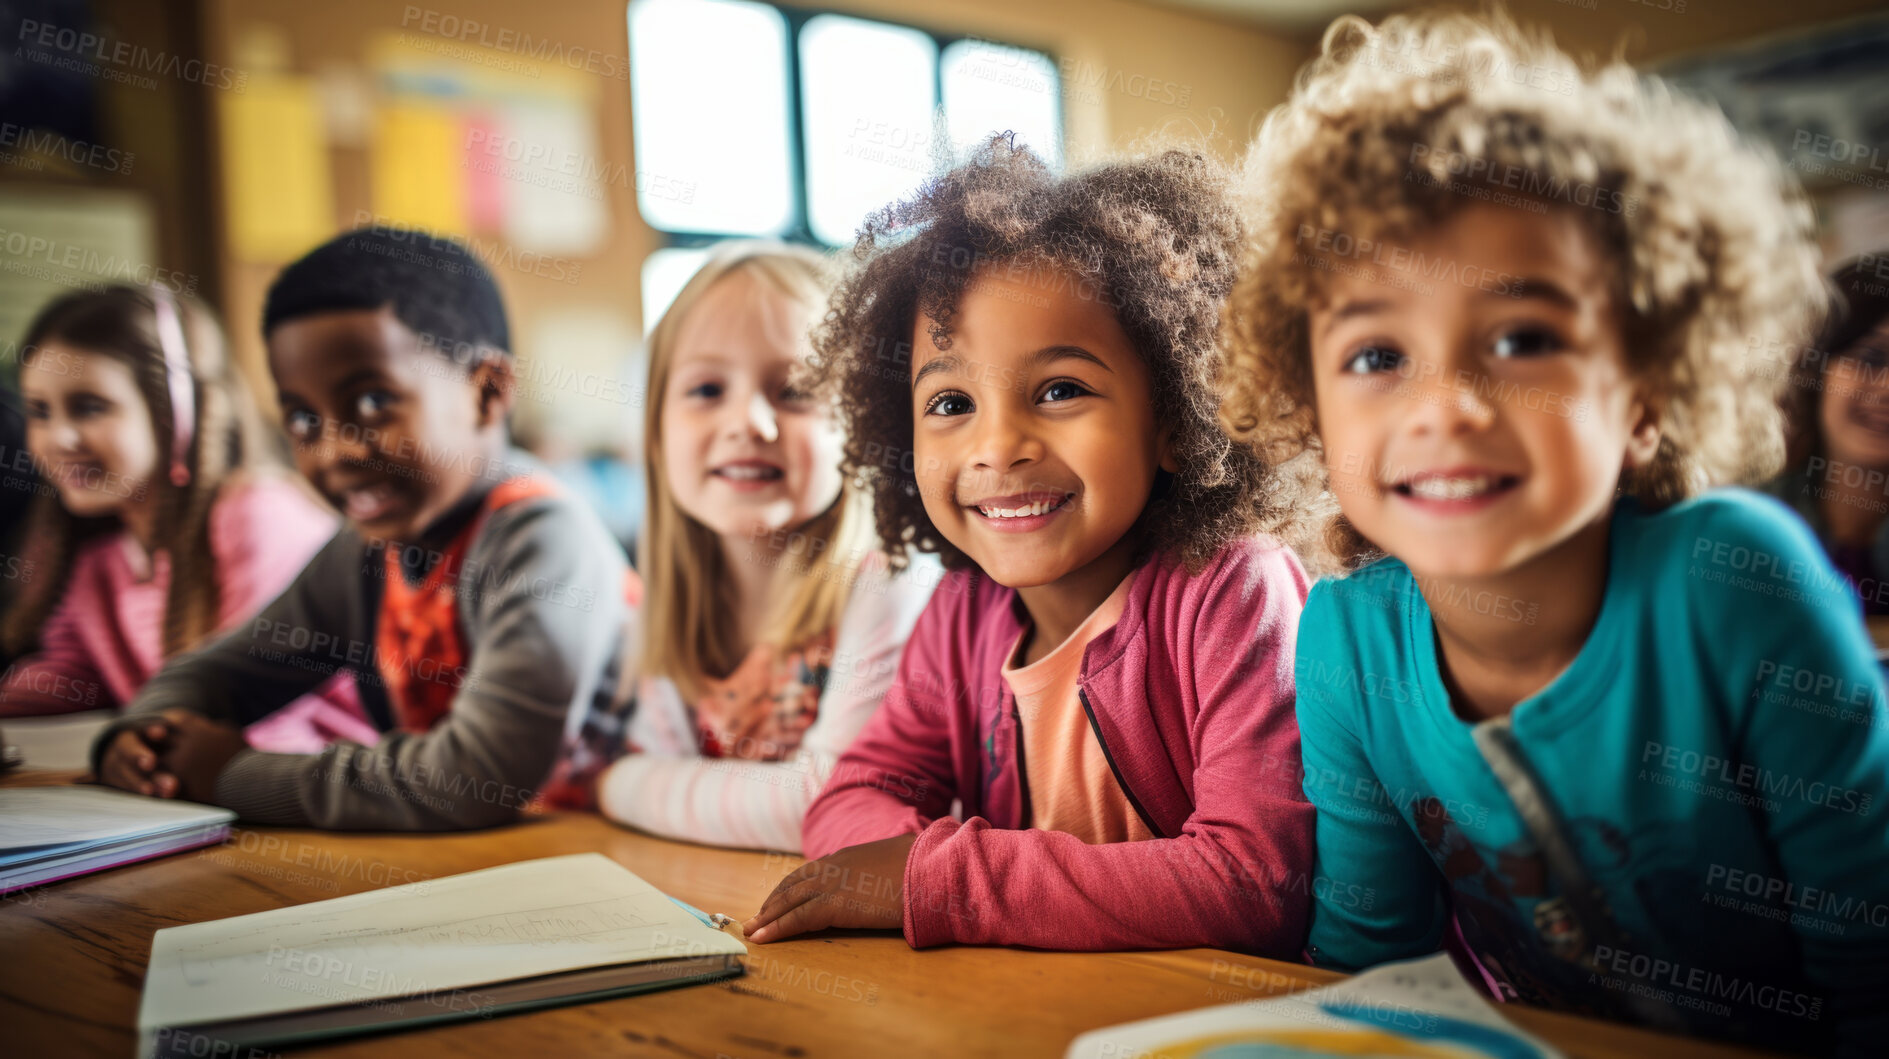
[(1156, 239)]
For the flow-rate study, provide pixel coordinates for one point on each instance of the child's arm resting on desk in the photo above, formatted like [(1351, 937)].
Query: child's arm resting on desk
[(293, 645), (1236, 876), (1364, 847), (898, 775), (546, 615)]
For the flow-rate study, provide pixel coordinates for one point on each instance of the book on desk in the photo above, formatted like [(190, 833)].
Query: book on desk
[(52, 833), (1421, 1008), (559, 930)]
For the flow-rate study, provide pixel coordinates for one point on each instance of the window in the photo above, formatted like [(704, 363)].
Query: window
[(718, 129), (867, 91), (798, 124)]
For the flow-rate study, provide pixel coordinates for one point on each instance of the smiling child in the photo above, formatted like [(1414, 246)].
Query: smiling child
[(479, 608), (168, 517), (1588, 718), (770, 626), (1101, 681)]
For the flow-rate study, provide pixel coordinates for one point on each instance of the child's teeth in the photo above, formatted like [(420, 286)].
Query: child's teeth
[(1452, 488), (1038, 508)]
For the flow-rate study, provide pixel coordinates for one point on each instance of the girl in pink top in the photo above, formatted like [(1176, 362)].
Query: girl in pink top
[(1090, 742), (161, 523)]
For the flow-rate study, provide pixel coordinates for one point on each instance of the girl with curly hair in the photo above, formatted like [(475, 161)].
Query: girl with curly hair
[(1101, 680), (1612, 719)]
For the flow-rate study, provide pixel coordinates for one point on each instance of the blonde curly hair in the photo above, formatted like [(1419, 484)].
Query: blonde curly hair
[(1711, 242)]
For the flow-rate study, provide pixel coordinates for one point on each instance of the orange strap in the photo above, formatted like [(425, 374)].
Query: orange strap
[(420, 646)]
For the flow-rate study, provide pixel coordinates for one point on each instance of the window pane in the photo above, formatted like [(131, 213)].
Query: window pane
[(665, 273), (992, 88), (708, 96), (868, 91)]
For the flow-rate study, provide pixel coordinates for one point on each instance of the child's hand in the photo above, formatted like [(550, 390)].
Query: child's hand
[(775, 738), (196, 752), (130, 761), (756, 731), (860, 886)]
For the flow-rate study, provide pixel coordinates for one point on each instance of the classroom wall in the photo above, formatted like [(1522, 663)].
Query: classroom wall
[(1657, 30), (1228, 74), (149, 145), (1218, 74)]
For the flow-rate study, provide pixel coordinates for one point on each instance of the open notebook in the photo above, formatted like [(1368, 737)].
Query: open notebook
[(49, 833), (561, 930), (1411, 1008)]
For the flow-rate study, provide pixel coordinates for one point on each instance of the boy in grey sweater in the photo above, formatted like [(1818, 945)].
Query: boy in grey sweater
[(479, 609)]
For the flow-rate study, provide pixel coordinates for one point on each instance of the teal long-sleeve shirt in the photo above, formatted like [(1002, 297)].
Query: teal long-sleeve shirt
[(1716, 757)]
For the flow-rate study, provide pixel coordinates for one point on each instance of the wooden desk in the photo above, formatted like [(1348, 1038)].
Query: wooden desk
[(75, 954)]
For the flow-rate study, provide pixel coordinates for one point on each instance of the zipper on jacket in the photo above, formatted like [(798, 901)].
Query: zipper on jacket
[(1153, 829), (1023, 765)]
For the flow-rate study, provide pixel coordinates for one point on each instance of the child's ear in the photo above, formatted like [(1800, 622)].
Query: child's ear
[(496, 379), (1168, 462), (1643, 441)]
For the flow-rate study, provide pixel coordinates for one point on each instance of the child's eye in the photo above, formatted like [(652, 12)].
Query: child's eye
[(84, 406), (301, 424), (1372, 360), (948, 403), (373, 403), (1065, 389), (794, 397), (38, 410), (1870, 357), (1527, 342), (707, 391)]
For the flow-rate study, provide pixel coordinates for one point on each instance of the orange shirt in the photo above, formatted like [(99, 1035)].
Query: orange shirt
[(1072, 788)]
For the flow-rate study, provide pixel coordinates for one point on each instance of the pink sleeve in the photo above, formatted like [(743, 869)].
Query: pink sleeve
[(262, 533), (1239, 874), (60, 677), (897, 776)]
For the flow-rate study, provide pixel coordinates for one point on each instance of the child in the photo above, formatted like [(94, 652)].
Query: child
[(166, 519), (482, 607), (1838, 477), (768, 629), (1614, 734), (1101, 680)]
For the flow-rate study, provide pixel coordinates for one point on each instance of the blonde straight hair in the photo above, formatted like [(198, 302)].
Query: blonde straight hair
[(688, 601)]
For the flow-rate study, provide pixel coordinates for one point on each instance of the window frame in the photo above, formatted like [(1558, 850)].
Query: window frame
[(800, 229)]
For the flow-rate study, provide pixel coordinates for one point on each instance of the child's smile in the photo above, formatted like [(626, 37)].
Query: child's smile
[(1472, 427), (1035, 445), (745, 453), (1021, 512), (89, 429), (1454, 490), (1854, 408), (390, 433)]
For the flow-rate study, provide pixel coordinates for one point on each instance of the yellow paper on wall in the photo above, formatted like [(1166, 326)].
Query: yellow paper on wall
[(275, 169), (418, 174)]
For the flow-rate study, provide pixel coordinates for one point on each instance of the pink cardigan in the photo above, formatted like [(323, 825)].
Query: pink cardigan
[(104, 638), (1191, 695)]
